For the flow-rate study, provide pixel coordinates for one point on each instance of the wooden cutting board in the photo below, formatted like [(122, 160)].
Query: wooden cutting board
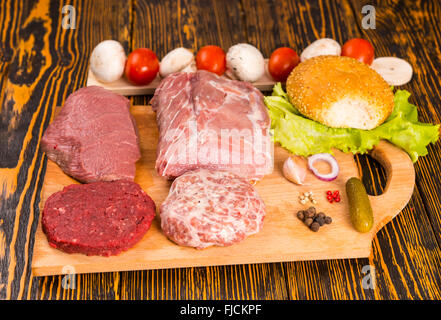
[(283, 237), (124, 87)]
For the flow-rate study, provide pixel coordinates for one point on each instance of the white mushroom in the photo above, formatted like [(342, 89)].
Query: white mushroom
[(245, 62), (179, 59), (190, 68), (108, 60), (321, 47)]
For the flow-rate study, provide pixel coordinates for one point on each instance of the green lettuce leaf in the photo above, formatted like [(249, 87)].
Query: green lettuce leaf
[(305, 137)]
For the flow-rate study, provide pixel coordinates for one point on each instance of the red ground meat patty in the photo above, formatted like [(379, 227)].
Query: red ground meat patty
[(101, 218), (206, 207)]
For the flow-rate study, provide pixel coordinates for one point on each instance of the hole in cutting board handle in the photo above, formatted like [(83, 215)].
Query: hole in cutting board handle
[(400, 182), (372, 174)]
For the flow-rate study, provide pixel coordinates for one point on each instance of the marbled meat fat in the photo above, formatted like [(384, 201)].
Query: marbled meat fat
[(206, 207)]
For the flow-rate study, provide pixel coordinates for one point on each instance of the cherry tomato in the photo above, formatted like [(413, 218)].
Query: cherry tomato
[(211, 58), (359, 49), (281, 63), (142, 66)]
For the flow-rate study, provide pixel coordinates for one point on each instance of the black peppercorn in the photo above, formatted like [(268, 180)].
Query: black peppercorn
[(320, 221), (312, 219), (321, 215), (315, 226), (309, 214), (308, 221)]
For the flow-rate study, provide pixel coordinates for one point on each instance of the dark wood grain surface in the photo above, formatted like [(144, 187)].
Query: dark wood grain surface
[(41, 64)]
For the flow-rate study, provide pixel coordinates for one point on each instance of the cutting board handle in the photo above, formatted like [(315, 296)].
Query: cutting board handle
[(400, 183)]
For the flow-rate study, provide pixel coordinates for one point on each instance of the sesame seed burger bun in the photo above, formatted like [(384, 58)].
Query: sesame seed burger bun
[(340, 92)]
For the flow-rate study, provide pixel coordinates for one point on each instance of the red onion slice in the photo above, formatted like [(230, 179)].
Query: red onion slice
[(329, 159)]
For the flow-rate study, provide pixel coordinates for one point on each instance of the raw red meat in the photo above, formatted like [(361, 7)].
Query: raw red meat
[(206, 207), (206, 121), (94, 137), (101, 218)]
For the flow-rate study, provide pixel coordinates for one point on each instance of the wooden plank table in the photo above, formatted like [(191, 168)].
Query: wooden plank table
[(41, 64)]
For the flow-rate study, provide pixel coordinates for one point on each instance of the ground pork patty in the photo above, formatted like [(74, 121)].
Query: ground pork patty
[(101, 218), (206, 207)]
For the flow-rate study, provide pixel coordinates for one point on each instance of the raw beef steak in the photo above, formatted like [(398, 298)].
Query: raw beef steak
[(94, 137), (207, 208), (101, 218), (206, 121)]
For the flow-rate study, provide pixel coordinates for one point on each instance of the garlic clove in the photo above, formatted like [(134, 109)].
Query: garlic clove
[(294, 169)]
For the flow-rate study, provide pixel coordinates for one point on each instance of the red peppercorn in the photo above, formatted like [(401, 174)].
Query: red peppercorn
[(333, 196)]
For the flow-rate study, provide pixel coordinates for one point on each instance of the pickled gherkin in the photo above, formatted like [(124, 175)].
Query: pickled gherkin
[(360, 209)]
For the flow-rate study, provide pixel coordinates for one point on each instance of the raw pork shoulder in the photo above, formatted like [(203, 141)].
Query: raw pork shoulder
[(206, 121), (94, 137)]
